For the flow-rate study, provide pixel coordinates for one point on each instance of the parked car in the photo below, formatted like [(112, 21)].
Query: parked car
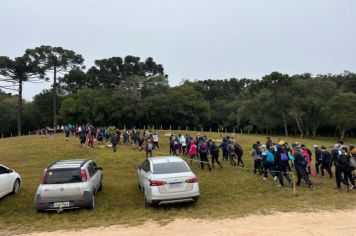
[(167, 180), (69, 184), (10, 181)]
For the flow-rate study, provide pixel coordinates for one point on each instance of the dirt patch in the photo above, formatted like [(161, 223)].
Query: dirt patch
[(316, 223)]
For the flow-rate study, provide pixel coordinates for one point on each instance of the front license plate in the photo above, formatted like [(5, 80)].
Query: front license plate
[(175, 185), (61, 204)]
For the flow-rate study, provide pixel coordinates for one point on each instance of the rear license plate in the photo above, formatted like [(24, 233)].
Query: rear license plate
[(175, 185), (61, 204)]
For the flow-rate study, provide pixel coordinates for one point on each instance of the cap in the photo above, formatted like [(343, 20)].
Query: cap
[(315, 146)]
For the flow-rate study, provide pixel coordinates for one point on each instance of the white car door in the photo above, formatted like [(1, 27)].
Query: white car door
[(5, 181)]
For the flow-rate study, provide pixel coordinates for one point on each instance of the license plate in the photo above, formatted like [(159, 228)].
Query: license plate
[(61, 204), (175, 185)]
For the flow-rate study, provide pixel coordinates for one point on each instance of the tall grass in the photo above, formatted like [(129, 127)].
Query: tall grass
[(225, 193)]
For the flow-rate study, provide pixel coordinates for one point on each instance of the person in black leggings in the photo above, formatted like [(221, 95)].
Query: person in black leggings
[(214, 151)]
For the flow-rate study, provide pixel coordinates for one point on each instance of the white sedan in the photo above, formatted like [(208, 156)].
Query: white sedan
[(10, 181), (167, 180)]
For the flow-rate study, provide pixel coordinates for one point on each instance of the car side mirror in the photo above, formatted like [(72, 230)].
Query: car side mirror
[(10, 171), (139, 167), (99, 168)]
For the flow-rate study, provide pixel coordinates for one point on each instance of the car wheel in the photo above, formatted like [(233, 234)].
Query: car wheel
[(100, 186), (92, 202), (16, 187)]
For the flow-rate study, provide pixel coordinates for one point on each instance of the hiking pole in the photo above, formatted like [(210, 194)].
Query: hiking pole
[(293, 182)]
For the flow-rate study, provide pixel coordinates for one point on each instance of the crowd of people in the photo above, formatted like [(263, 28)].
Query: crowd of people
[(277, 160)]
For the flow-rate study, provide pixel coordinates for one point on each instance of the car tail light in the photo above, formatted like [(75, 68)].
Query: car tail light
[(81, 202), (42, 205), (84, 175), (192, 180), (157, 183)]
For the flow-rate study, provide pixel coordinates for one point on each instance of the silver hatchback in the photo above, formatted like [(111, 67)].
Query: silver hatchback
[(69, 184)]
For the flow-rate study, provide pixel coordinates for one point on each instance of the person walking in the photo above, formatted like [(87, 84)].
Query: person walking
[(193, 151), (203, 153), (281, 163), (342, 169), (149, 148), (318, 158), (301, 165), (224, 148), (114, 141), (155, 138), (214, 152), (325, 162), (257, 159)]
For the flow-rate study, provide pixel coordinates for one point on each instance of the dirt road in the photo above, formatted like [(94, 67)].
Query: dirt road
[(336, 223)]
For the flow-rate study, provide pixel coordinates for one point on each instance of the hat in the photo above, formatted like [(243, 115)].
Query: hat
[(323, 147), (315, 146)]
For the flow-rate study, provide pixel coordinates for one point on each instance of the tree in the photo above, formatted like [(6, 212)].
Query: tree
[(15, 73), (340, 110), (56, 60), (278, 84)]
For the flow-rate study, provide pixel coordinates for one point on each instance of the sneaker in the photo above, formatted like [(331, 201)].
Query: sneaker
[(311, 186), (281, 186), (264, 178), (350, 188), (275, 178)]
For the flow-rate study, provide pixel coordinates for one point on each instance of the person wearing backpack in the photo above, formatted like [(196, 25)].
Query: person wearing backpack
[(193, 151), (342, 169), (281, 163), (183, 142), (113, 141), (239, 152), (224, 149), (232, 154), (149, 148), (325, 162), (203, 153), (214, 151), (318, 158), (268, 162), (257, 159), (301, 165)]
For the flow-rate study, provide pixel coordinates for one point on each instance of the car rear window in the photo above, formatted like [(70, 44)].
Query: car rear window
[(62, 176), (170, 168)]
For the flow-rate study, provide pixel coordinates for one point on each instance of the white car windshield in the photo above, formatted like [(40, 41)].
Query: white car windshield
[(170, 168)]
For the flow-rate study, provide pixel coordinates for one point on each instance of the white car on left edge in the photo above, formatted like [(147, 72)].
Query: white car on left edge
[(10, 181)]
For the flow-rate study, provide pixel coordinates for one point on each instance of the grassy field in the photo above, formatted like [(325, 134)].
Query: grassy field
[(225, 193)]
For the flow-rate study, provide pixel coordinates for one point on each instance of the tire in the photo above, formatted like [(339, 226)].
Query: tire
[(16, 186), (92, 203), (100, 186)]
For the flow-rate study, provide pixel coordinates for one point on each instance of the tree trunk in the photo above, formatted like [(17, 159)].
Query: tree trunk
[(285, 124), (342, 132), (314, 132), (54, 98), (19, 111), (300, 128)]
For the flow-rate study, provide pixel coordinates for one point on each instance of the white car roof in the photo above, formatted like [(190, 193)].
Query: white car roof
[(165, 159), (68, 164)]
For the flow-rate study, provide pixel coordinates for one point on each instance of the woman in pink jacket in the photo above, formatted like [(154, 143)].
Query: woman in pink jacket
[(193, 151)]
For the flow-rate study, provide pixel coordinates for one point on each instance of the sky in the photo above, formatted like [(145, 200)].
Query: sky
[(192, 39)]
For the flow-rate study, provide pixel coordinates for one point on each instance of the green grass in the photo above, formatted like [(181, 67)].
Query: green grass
[(225, 193)]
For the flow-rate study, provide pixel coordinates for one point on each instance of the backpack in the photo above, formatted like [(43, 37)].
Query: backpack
[(284, 157), (270, 157), (203, 148), (342, 159)]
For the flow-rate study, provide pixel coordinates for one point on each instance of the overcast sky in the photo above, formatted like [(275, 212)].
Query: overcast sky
[(193, 39)]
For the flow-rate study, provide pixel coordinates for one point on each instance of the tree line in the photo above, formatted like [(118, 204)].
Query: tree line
[(128, 91)]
